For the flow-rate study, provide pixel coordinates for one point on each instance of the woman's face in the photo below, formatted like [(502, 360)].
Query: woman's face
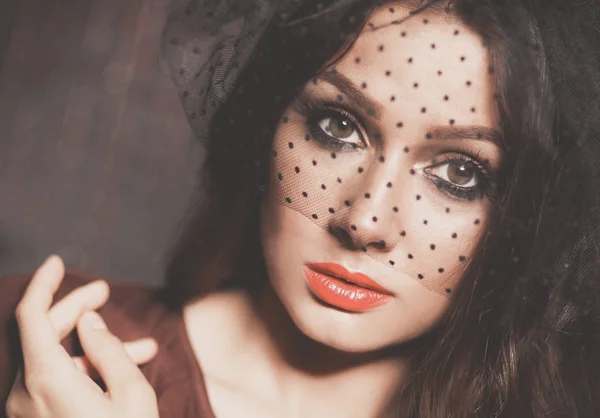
[(381, 178)]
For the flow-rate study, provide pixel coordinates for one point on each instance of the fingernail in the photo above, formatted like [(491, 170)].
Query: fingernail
[(49, 259), (144, 344), (93, 320)]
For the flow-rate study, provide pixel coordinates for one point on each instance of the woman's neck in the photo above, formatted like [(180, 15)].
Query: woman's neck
[(250, 343)]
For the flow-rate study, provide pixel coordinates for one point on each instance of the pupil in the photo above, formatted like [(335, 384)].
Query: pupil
[(460, 173), (340, 128)]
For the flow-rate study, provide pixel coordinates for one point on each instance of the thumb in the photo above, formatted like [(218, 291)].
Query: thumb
[(108, 356)]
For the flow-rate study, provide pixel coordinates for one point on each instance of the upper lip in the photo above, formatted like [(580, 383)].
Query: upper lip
[(339, 271)]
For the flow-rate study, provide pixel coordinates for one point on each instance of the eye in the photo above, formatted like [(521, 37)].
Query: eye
[(334, 128), (461, 178), (461, 173), (341, 128)]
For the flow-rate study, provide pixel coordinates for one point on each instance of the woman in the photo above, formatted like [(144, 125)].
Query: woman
[(401, 206)]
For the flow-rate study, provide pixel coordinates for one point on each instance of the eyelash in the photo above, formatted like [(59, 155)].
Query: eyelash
[(315, 111), (484, 179)]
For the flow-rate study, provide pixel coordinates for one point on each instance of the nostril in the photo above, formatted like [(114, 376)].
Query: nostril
[(343, 236)]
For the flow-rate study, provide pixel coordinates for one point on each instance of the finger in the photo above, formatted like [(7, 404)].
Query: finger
[(106, 353), (65, 314), (19, 383), (18, 403), (140, 352), (35, 328)]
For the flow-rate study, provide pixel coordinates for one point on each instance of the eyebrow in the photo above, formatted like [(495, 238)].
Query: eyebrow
[(476, 132), (373, 108), (347, 87)]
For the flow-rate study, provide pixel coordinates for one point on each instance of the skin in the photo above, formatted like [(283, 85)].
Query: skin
[(52, 384), (278, 355), (283, 353), (292, 237)]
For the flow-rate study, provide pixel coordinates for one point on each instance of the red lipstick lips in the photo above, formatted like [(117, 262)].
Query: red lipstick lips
[(335, 285)]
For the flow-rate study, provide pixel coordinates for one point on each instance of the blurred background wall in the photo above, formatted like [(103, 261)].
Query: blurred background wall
[(97, 162)]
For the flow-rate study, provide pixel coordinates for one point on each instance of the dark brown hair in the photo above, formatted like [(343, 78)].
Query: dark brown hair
[(499, 351)]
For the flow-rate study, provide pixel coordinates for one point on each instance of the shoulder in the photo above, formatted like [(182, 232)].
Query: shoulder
[(133, 311)]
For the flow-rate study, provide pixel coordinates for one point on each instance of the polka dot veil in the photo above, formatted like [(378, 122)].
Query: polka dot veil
[(394, 147)]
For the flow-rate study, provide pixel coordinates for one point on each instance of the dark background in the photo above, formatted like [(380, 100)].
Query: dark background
[(97, 161)]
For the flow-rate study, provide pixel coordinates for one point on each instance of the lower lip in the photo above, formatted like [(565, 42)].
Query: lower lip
[(344, 295)]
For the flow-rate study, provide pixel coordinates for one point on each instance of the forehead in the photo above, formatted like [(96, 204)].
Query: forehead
[(427, 31), (426, 59)]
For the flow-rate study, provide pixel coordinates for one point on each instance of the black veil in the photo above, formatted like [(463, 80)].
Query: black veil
[(555, 259)]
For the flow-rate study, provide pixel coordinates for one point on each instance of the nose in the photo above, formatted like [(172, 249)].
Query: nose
[(370, 221)]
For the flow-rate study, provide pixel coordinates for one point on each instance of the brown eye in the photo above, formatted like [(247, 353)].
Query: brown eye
[(460, 177), (460, 173), (341, 128)]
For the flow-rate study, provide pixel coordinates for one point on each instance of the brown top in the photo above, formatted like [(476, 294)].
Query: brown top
[(133, 311)]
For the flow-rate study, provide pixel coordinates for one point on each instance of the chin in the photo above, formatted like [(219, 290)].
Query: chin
[(344, 343), (388, 326), (340, 330)]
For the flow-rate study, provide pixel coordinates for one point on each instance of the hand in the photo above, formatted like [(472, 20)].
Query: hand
[(53, 384)]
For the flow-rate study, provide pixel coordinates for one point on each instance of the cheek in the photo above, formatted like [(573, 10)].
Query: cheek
[(308, 178), (442, 238)]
